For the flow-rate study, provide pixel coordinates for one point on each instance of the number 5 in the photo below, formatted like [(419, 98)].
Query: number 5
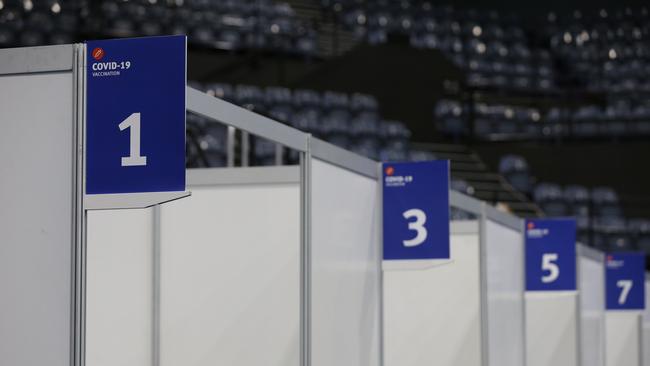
[(417, 225), (134, 158), (552, 268), (626, 286)]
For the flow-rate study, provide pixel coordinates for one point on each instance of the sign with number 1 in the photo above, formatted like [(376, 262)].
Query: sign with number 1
[(625, 281), (135, 119), (550, 255), (416, 210)]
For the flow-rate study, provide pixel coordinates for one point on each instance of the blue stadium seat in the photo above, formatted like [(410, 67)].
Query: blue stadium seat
[(578, 200), (515, 169), (221, 91), (421, 155), (611, 234), (264, 151), (639, 230), (549, 197), (605, 202), (250, 97)]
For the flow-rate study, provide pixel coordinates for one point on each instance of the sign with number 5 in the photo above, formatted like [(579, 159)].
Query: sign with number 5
[(416, 210), (550, 255), (625, 281)]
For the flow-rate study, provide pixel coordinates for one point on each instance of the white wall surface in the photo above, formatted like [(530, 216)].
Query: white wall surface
[(36, 187), (504, 250), (622, 338), (432, 316), (551, 328), (346, 274), (230, 282), (646, 326), (591, 279), (119, 297)]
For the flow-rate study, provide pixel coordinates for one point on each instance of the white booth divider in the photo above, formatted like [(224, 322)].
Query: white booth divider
[(120, 293), (200, 280), (623, 337), (591, 284), (646, 324), (552, 328), (37, 212), (433, 316), (345, 261), (504, 270), (230, 269)]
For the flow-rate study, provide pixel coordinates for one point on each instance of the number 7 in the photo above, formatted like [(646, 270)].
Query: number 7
[(626, 286)]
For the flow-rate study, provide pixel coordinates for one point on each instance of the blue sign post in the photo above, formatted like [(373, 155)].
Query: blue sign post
[(625, 281), (416, 211), (135, 119), (550, 255)]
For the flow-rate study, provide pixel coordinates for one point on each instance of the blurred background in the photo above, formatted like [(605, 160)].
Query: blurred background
[(543, 108)]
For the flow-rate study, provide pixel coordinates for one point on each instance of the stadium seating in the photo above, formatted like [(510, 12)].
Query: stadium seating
[(599, 217), (218, 24), (349, 121), (515, 169)]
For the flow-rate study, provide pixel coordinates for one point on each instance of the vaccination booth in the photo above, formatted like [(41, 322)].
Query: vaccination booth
[(552, 308), (275, 265), (468, 310), (282, 260), (625, 282)]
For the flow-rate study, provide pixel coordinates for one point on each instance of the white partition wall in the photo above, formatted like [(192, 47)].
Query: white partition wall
[(433, 316), (37, 212), (646, 324), (623, 338), (120, 291), (345, 258), (591, 284), (552, 328), (504, 285), (230, 269)]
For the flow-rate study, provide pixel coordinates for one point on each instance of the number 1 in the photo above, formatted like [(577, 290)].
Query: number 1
[(134, 158)]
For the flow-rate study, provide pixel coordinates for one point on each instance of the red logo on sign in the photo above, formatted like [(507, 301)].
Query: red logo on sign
[(390, 170), (98, 53), (531, 225)]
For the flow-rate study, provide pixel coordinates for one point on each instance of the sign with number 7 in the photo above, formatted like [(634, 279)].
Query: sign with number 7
[(625, 281)]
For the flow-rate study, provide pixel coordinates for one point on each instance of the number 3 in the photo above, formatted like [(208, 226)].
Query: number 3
[(417, 226), (134, 158), (552, 268)]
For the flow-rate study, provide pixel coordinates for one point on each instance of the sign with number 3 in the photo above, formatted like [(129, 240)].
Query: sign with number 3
[(416, 210)]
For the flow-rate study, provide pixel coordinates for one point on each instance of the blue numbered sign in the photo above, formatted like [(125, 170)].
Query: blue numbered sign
[(135, 119), (416, 210), (625, 281), (550, 255)]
